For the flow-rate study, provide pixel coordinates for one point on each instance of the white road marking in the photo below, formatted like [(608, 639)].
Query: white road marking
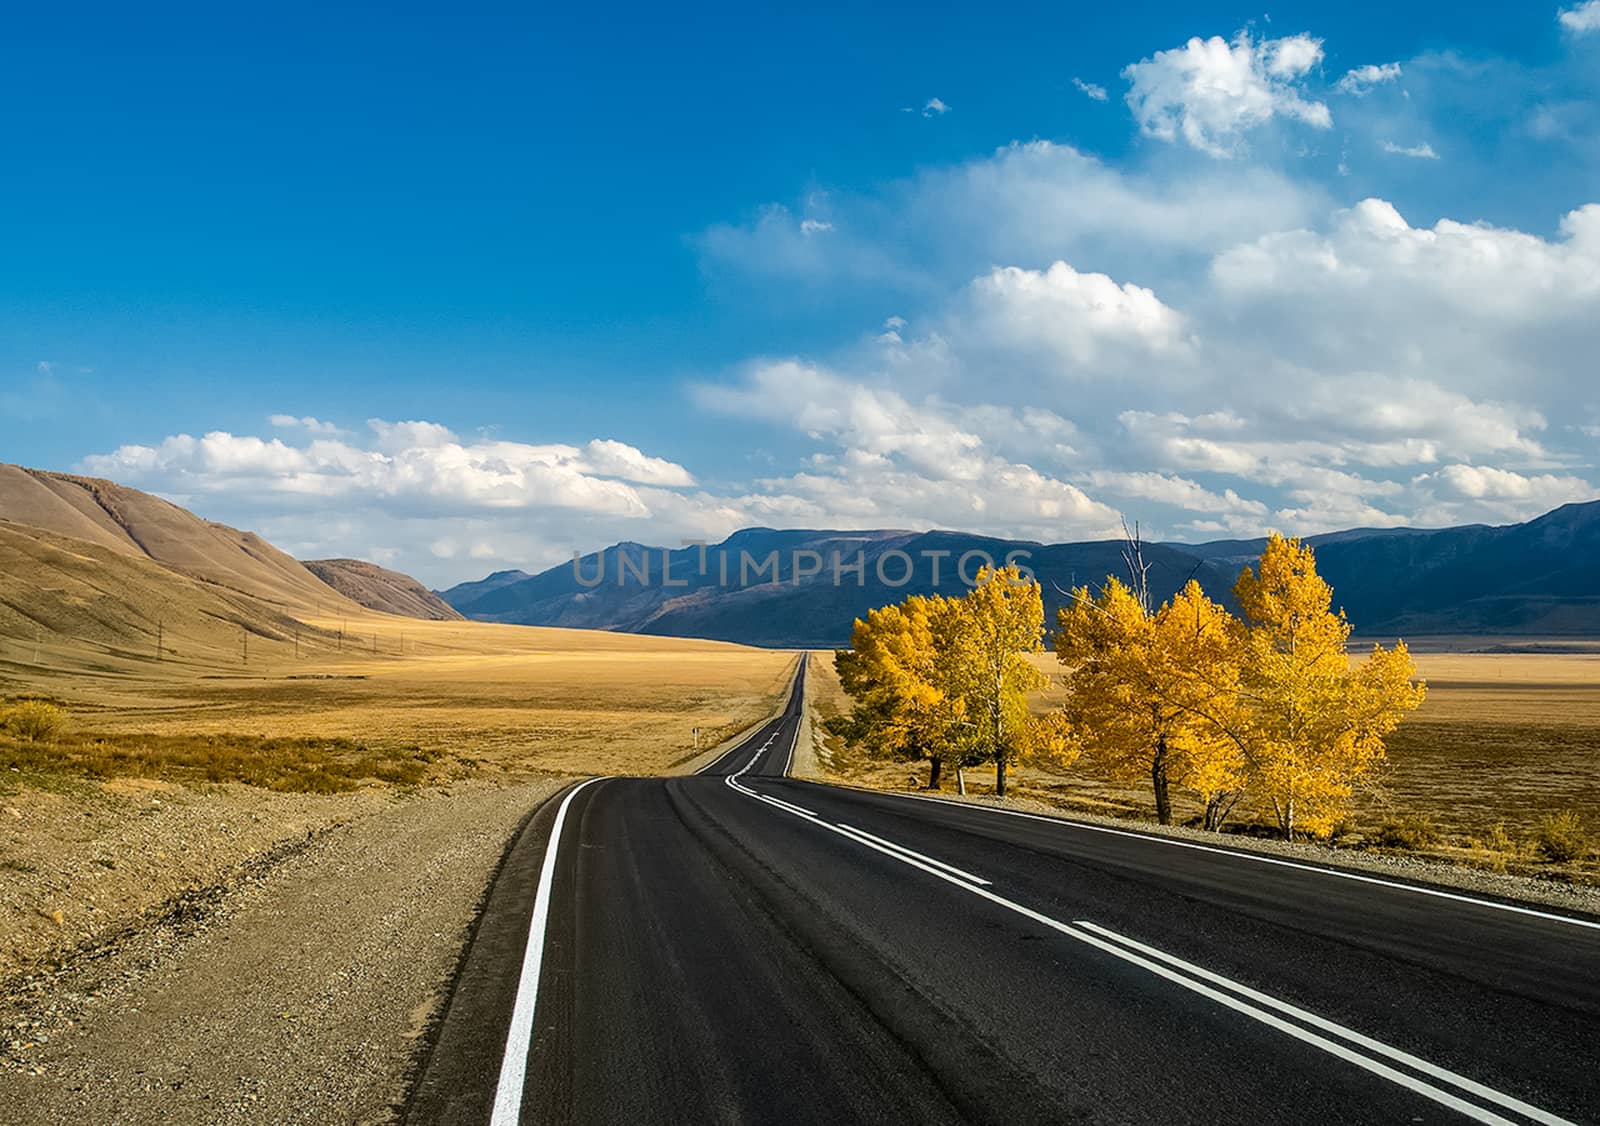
[(788, 763), (951, 868), (1082, 933), (733, 781), (714, 763), (514, 1063), (1416, 1063), (1257, 858)]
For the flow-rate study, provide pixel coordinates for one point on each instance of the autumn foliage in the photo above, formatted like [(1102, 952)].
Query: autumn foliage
[(947, 679), (1266, 709)]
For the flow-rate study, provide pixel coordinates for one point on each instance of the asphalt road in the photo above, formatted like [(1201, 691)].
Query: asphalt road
[(739, 947)]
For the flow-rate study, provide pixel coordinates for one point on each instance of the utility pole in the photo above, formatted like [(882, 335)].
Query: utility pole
[(158, 638)]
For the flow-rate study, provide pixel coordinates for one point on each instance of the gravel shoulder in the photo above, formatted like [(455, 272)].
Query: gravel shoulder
[(293, 990)]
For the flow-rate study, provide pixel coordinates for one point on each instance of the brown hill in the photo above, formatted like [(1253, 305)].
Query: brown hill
[(379, 588), (131, 523), (64, 594)]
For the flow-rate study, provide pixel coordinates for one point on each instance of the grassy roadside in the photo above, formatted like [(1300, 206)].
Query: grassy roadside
[(1499, 773)]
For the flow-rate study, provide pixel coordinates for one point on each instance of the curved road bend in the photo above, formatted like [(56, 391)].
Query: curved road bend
[(739, 947)]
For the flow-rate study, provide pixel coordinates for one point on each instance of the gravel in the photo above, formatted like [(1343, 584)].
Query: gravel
[(295, 990)]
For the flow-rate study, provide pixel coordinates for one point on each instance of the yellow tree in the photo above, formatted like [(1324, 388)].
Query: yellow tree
[(894, 673), (1151, 694), (990, 632), (1312, 728)]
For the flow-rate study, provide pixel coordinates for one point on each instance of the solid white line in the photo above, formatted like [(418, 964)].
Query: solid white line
[(1256, 858), (733, 781), (514, 1063), (1376, 1046), (1339, 1051), (951, 868), (1376, 1067), (788, 763)]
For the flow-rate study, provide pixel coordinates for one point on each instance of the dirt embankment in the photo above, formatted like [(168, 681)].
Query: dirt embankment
[(242, 957)]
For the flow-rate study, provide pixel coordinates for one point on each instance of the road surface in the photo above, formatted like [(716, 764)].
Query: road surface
[(739, 947)]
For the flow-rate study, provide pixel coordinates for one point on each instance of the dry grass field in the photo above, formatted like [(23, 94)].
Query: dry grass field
[(463, 696), (1504, 741), (184, 774)]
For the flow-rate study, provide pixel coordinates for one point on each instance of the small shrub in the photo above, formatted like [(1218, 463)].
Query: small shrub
[(1407, 833), (35, 721), (1500, 840), (1562, 837)]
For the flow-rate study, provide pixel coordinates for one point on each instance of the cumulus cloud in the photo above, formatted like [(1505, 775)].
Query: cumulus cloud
[(1581, 19), (1211, 92), (1363, 79), (1077, 316), (404, 463), (890, 461), (1091, 90), (934, 107)]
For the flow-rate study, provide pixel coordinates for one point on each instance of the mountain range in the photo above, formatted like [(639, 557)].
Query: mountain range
[(1540, 578), (89, 561)]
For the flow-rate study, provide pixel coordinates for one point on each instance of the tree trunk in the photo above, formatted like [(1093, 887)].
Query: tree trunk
[(1288, 820), (934, 771), (961, 782), (1217, 810), (1158, 782), (1000, 776)]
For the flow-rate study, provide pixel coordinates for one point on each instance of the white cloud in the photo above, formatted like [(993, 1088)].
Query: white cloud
[(1581, 19), (814, 226), (610, 458), (1027, 203), (934, 107), (1480, 482), (1091, 90), (1079, 317), (1424, 151), (1179, 492), (307, 423), (1362, 79), (407, 464), (1211, 92), (891, 462)]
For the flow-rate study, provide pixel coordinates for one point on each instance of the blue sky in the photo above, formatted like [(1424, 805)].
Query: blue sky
[(648, 273)]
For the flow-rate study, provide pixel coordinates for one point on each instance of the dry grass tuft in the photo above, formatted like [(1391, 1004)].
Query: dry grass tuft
[(1407, 833), (1562, 837), (34, 721)]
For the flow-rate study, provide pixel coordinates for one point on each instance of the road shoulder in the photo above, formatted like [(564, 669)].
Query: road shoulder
[(303, 996)]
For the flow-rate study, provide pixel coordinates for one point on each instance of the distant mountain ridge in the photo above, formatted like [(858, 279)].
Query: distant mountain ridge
[(1541, 578)]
